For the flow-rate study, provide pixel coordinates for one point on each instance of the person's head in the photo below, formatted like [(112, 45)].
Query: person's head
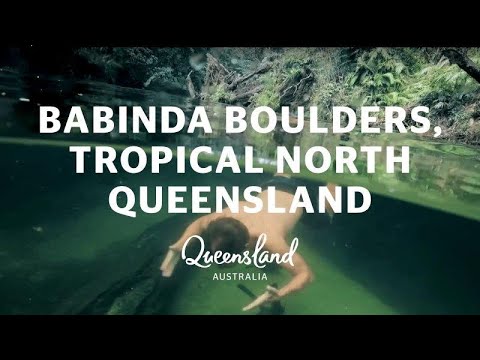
[(227, 235)]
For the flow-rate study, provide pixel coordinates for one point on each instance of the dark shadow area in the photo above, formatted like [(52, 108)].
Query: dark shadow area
[(43, 176), (122, 279), (417, 260)]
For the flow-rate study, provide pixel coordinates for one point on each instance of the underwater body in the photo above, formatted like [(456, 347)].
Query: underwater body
[(64, 251)]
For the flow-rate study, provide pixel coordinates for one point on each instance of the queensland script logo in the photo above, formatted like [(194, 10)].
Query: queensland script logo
[(259, 258)]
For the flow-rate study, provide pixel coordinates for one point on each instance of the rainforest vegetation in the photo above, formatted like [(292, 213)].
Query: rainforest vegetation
[(447, 80)]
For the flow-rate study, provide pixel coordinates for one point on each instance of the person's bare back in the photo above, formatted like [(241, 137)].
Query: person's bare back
[(278, 224)]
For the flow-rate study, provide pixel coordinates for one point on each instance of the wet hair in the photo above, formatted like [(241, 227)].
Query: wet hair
[(227, 235)]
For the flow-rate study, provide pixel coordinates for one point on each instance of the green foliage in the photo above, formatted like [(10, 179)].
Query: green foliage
[(381, 73), (270, 95), (441, 78), (291, 67), (348, 76), (451, 95), (221, 94), (395, 76)]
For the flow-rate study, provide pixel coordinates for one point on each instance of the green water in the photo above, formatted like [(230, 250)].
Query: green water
[(64, 251)]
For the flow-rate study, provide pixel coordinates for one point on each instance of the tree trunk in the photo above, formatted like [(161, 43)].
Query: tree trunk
[(464, 62), (190, 86)]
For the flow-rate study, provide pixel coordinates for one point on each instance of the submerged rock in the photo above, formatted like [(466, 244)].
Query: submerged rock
[(143, 291), (128, 303)]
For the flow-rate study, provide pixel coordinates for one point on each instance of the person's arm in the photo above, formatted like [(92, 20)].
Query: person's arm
[(194, 228), (300, 272), (174, 250), (331, 189)]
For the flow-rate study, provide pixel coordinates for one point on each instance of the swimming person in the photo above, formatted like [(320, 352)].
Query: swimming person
[(235, 233)]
